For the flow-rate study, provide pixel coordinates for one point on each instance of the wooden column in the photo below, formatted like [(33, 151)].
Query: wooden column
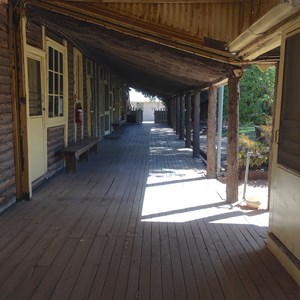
[(211, 132), (196, 125), (17, 40), (177, 114), (173, 114), (15, 103), (182, 117), (233, 138), (169, 108), (188, 121)]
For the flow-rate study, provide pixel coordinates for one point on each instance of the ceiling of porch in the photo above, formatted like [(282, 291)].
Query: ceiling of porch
[(166, 47)]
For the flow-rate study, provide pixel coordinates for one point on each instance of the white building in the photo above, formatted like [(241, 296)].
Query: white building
[(139, 101)]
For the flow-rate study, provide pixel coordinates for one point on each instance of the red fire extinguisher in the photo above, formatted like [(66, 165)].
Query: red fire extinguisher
[(78, 113)]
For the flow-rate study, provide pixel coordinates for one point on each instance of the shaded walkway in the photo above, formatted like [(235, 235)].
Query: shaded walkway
[(139, 221)]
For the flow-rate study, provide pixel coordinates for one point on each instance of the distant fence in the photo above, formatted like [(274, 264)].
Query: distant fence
[(161, 116), (135, 116)]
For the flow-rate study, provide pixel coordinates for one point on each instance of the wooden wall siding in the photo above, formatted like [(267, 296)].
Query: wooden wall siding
[(78, 131), (54, 36), (55, 143), (7, 166), (71, 112), (34, 35)]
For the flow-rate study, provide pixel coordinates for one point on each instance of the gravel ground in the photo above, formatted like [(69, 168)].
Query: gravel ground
[(257, 189)]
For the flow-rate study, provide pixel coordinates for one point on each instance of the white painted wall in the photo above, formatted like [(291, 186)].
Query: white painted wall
[(148, 109)]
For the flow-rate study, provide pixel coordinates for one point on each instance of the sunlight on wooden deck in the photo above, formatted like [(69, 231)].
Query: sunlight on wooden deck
[(184, 194), (138, 221)]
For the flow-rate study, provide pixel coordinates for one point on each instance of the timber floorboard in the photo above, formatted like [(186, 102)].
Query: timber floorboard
[(138, 221)]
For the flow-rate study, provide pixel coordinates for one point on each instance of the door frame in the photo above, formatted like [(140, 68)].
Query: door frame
[(283, 225), (78, 88)]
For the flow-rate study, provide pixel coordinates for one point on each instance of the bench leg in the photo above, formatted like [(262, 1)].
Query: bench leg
[(84, 156), (70, 163), (94, 149)]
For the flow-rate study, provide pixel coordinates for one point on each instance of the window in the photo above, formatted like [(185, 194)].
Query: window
[(34, 87), (289, 139), (55, 83)]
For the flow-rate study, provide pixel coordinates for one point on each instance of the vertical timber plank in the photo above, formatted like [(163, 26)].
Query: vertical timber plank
[(196, 125), (182, 123), (211, 132), (177, 114), (188, 121), (233, 138)]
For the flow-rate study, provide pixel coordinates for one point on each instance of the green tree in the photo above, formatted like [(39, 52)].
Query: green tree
[(257, 94)]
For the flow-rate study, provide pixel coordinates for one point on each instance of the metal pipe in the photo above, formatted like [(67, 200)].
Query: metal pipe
[(246, 173), (220, 125)]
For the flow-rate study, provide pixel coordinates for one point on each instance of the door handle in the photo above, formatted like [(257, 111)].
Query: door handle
[(277, 136)]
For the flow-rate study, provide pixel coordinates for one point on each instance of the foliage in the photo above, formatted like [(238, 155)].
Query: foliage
[(151, 97), (256, 95), (266, 132), (248, 130), (259, 156)]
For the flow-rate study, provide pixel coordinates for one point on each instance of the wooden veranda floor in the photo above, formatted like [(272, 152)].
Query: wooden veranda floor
[(139, 221)]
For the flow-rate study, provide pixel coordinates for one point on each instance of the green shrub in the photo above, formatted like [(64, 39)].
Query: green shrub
[(259, 156)]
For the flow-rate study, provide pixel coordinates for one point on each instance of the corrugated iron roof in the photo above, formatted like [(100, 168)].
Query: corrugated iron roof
[(162, 46)]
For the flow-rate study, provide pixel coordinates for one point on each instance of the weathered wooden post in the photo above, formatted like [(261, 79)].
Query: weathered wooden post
[(182, 112), (169, 113), (177, 114), (196, 125), (211, 132), (174, 114), (233, 137), (188, 121)]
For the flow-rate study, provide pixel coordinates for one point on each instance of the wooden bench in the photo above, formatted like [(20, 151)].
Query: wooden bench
[(79, 150)]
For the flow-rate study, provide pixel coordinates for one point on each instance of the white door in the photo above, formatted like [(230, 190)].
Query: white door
[(285, 180), (36, 117)]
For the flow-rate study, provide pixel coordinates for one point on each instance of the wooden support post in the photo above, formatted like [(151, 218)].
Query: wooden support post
[(211, 132), (182, 112), (177, 114), (233, 138), (15, 103), (188, 121), (169, 108), (17, 40), (196, 125), (174, 114)]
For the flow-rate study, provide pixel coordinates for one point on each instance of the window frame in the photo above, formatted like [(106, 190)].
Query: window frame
[(58, 120)]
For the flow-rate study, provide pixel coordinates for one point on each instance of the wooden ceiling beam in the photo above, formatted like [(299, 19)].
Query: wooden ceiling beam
[(111, 19)]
